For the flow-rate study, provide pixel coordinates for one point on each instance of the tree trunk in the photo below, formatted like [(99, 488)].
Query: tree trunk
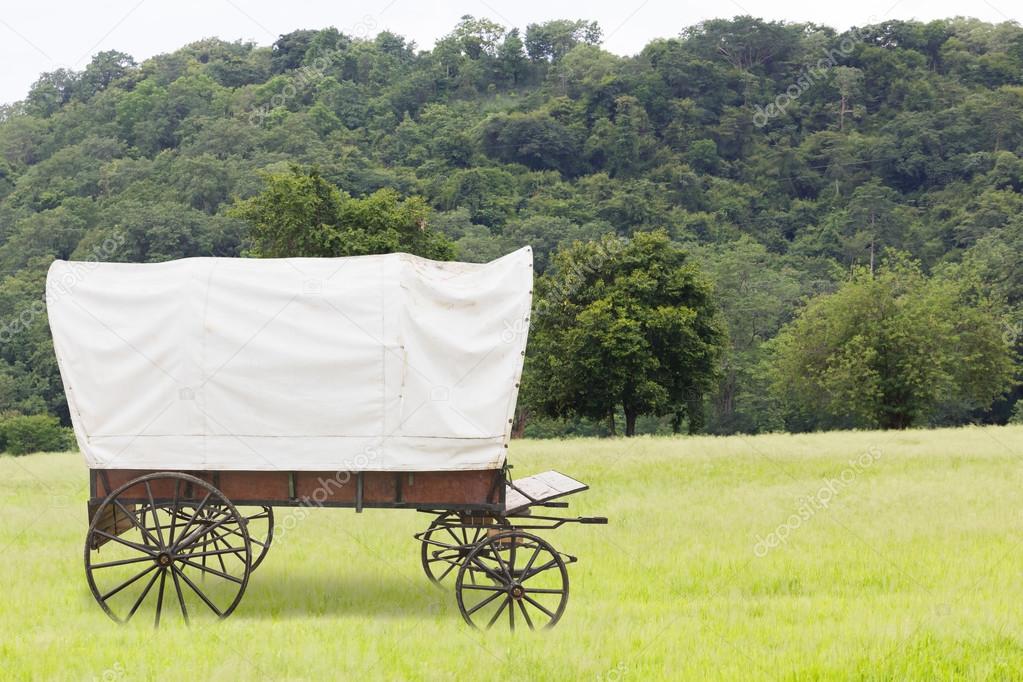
[(676, 422), (873, 235), (694, 410), (519, 425), (630, 422), (611, 422)]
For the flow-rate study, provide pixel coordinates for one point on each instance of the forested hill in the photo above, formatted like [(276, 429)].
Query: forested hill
[(782, 155)]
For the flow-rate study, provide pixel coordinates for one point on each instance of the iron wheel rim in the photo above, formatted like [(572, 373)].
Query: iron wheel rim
[(512, 560), (172, 547)]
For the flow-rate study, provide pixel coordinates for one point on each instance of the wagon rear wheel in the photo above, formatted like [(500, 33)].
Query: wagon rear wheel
[(259, 521), (520, 578), (156, 547), (449, 539)]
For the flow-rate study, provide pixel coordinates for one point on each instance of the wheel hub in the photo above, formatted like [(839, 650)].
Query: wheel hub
[(164, 559), (518, 591)]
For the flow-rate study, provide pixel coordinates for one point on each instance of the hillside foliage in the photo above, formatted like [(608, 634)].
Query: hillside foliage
[(782, 158)]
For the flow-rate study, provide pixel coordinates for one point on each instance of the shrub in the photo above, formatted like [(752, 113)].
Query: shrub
[(1017, 413), (22, 434)]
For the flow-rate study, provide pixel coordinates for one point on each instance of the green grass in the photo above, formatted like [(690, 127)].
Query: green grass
[(913, 571)]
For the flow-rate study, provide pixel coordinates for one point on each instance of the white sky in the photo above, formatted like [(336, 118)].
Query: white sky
[(43, 35)]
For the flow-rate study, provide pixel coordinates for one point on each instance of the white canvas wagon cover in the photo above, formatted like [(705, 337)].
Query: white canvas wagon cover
[(371, 363)]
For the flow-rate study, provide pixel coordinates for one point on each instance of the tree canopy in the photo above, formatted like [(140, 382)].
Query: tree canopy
[(623, 324), (890, 350), (298, 213)]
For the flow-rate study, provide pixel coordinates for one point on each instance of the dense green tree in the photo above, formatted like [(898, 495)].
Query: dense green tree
[(52, 91), (552, 40), (756, 293), (536, 140), (478, 37), (299, 213), (511, 68), (105, 68), (629, 324), (892, 349)]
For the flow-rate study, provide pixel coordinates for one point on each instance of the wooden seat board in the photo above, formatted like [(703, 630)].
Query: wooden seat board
[(542, 488)]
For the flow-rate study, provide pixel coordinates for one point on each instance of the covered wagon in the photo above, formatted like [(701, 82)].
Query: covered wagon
[(204, 392)]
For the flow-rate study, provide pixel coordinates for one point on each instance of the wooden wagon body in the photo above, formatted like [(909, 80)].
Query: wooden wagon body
[(481, 491)]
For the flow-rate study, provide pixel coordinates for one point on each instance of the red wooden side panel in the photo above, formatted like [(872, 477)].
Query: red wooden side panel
[(328, 488)]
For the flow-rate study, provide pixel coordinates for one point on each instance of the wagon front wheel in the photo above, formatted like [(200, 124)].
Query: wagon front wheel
[(164, 552), (519, 577), (449, 539)]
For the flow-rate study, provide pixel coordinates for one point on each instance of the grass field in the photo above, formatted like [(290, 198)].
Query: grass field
[(908, 564)]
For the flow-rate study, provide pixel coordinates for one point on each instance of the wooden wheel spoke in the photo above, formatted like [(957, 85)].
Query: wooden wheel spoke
[(458, 543), (200, 532), (216, 552), (529, 564), (511, 567), (174, 512), (207, 569), (195, 513), (121, 562), (135, 522), (525, 614), (502, 564), (234, 531), (156, 514), (159, 598), (489, 571), (220, 557), (538, 605), (536, 571), (181, 596), (200, 593), (142, 597), (489, 588), (484, 603), (126, 583), (500, 609), (204, 543), (447, 570)]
